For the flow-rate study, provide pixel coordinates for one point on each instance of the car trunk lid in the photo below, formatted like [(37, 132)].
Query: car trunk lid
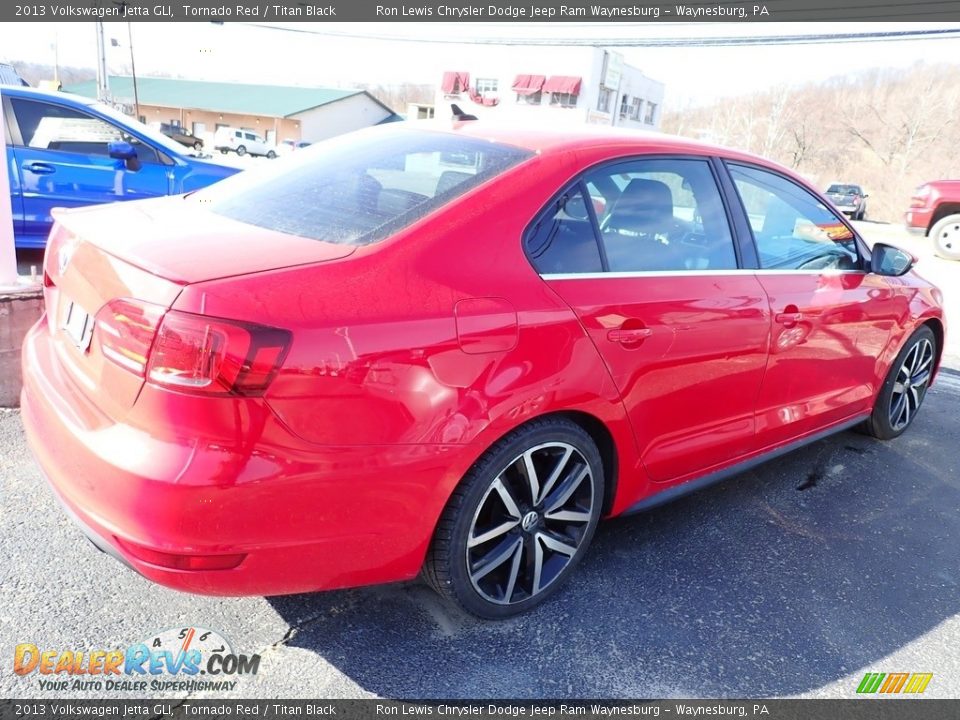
[(146, 252)]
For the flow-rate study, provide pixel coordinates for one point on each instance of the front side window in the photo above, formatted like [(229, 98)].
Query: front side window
[(360, 188), (792, 228), (45, 126)]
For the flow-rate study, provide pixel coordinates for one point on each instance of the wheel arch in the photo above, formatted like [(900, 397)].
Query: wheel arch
[(943, 210), (936, 325)]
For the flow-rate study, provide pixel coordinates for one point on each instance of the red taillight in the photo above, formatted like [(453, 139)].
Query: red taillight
[(126, 329), (177, 561), (195, 353)]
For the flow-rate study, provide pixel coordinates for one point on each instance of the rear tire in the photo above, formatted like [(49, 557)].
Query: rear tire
[(905, 387), (271, 155), (505, 543), (946, 237), (241, 150)]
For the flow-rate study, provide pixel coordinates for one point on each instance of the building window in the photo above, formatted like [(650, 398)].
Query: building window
[(563, 99), (651, 114), (636, 108), (603, 102), (486, 85), (530, 99), (624, 106)]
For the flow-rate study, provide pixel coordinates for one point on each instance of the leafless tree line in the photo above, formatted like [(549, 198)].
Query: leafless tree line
[(888, 130)]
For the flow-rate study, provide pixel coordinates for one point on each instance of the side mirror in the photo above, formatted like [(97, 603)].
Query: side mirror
[(125, 151), (888, 260), (121, 150)]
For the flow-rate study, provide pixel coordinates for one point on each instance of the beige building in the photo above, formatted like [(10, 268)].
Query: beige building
[(273, 111)]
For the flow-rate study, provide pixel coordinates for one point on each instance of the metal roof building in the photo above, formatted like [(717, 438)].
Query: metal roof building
[(275, 111)]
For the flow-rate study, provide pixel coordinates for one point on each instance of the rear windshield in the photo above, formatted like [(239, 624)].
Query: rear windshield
[(362, 187), (845, 189)]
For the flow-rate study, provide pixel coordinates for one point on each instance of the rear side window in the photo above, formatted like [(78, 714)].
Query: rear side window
[(360, 188), (643, 215)]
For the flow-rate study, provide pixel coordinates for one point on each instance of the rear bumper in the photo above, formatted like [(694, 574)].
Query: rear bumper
[(303, 518)]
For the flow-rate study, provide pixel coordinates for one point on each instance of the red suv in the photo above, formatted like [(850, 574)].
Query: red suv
[(935, 212), (452, 349)]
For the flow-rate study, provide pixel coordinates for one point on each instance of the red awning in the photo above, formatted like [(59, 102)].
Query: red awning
[(528, 84), (563, 84), (455, 83)]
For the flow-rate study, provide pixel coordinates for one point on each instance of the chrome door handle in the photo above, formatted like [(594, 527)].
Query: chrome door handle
[(789, 318), (626, 336)]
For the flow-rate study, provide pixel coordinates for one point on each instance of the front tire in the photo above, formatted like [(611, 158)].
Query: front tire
[(241, 150), (946, 237), (198, 145), (905, 387), (519, 522)]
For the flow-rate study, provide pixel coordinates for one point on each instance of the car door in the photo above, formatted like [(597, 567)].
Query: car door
[(831, 318), (643, 252), (61, 154)]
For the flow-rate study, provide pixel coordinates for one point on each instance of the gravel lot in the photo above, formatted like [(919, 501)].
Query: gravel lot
[(793, 579)]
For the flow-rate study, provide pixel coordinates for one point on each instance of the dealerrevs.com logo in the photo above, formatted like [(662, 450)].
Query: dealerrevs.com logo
[(181, 659)]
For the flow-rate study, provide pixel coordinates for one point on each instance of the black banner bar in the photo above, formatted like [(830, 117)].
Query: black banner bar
[(866, 709), (480, 11)]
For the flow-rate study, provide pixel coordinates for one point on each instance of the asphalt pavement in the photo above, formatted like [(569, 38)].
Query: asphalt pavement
[(793, 579)]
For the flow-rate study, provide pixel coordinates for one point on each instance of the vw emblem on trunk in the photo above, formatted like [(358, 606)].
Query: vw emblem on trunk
[(63, 257)]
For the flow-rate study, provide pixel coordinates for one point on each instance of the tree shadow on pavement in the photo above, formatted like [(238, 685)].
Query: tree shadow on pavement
[(776, 582)]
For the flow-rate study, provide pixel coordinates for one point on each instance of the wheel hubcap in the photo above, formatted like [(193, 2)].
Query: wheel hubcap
[(530, 523), (948, 235), (911, 384)]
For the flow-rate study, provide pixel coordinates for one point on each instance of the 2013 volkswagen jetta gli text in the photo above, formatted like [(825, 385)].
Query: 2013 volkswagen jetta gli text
[(451, 350)]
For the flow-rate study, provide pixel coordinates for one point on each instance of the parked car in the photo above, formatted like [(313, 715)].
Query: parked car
[(10, 76), (376, 360), (935, 212), (181, 135), (227, 139), (849, 199), (68, 151)]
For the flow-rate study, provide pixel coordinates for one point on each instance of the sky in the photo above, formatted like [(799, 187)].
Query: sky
[(409, 52)]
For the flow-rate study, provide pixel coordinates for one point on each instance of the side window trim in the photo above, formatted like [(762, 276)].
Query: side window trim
[(748, 258), (594, 223), (863, 252)]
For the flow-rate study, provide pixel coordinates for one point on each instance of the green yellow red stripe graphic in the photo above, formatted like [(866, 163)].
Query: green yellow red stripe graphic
[(893, 683)]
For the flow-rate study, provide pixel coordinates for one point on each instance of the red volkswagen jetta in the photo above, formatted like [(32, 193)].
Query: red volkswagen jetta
[(451, 350)]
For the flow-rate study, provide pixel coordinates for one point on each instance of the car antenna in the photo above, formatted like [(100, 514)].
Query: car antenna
[(459, 114)]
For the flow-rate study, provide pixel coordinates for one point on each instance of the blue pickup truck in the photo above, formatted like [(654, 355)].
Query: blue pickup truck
[(67, 151)]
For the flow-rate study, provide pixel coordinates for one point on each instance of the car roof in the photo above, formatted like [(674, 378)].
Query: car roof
[(34, 93), (567, 139)]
